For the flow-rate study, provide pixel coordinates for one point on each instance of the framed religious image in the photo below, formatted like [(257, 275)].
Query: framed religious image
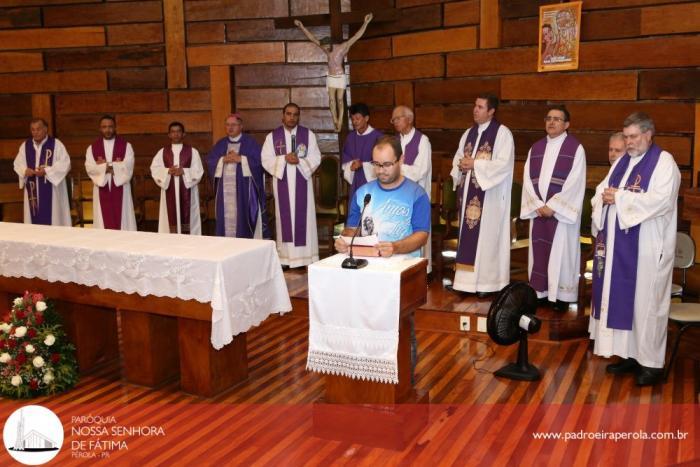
[(560, 33)]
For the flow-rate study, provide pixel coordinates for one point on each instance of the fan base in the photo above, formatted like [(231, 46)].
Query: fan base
[(515, 371)]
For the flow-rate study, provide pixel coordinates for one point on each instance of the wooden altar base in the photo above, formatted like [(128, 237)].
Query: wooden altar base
[(391, 426)]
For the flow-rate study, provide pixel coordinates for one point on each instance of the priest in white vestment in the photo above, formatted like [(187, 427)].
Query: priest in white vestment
[(42, 164), (634, 222), (482, 171), (109, 163), (291, 155), (554, 181), (177, 170), (418, 160)]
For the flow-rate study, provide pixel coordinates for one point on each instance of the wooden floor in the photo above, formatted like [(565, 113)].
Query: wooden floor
[(475, 418)]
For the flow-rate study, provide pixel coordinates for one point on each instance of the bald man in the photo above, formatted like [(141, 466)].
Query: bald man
[(616, 147)]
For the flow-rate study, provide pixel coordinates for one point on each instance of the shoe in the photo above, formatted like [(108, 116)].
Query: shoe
[(624, 366), (561, 306), (543, 302), (450, 288), (647, 376), (484, 294)]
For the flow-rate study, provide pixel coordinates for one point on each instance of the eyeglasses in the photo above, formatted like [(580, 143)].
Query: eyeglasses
[(553, 119), (396, 119), (386, 165)]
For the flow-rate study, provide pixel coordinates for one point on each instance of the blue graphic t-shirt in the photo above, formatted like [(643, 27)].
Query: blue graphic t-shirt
[(391, 214)]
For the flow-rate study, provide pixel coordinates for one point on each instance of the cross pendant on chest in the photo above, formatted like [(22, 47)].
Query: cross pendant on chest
[(281, 147)]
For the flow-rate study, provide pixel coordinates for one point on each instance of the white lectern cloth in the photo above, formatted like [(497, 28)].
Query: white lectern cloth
[(242, 279), (354, 318)]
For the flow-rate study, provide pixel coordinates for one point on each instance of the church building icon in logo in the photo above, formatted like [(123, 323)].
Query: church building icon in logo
[(33, 435)]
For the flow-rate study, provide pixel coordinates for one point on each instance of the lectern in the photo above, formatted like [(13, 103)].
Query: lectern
[(357, 405)]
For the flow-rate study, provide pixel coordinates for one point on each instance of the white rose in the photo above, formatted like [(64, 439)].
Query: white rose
[(48, 377), (18, 301), (20, 331), (49, 340), (5, 327), (16, 380), (29, 348), (5, 357), (38, 362), (40, 306)]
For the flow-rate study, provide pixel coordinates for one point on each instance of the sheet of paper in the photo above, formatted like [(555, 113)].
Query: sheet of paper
[(368, 240)]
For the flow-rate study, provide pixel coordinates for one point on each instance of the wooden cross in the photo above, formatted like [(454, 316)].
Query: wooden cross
[(281, 148)]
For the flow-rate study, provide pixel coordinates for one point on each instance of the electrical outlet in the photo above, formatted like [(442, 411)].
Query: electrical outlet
[(481, 324), (464, 323)]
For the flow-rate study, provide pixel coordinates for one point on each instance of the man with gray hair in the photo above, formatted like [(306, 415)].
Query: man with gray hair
[(616, 147), (634, 224)]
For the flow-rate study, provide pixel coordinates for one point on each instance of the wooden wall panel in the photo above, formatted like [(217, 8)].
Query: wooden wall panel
[(212, 10), (403, 94), (15, 105), (111, 102), (49, 81), (10, 147), (198, 77), (43, 106), (424, 66), (141, 78), (492, 62), (20, 18), (235, 54), (122, 57), (490, 25), (459, 13), (281, 75), (221, 98), (454, 91), (128, 34), (670, 84), (264, 30), (266, 120), (446, 40), (376, 95), (267, 98), (600, 4), (11, 62), (51, 38), (194, 122), (104, 13), (189, 100), (671, 19), (672, 51), (579, 86), (206, 33), (310, 97), (14, 127), (371, 49), (174, 25), (410, 19), (7, 3)]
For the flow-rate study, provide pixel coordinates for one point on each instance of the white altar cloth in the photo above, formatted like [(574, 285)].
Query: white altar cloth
[(242, 279), (354, 318)]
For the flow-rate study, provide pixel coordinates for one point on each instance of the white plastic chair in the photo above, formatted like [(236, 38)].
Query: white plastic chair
[(684, 259)]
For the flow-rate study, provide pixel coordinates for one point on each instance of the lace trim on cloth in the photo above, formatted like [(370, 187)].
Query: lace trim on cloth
[(356, 367)]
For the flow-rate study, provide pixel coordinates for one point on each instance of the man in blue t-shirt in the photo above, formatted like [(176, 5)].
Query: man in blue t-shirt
[(399, 211)]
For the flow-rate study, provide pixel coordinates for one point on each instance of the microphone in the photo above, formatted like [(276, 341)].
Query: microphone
[(350, 262), (294, 143)]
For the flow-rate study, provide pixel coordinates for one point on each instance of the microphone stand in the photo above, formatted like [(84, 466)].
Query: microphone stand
[(350, 262)]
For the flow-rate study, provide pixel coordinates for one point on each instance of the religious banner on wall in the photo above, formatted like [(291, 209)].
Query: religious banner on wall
[(560, 33)]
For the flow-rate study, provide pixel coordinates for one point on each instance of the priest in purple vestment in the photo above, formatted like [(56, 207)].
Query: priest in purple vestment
[(482, 172), (357, 149), (109, 162), (554, 181), (236, 170), (42, 164), (634, 224)]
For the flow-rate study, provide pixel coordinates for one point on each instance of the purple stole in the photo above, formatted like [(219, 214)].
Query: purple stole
[(623, 282), (39, 190), (185, 194), (410, 152), (359, 147), (280, 145), (544, 228), (250, 191), (111, 197), (471, 217)]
